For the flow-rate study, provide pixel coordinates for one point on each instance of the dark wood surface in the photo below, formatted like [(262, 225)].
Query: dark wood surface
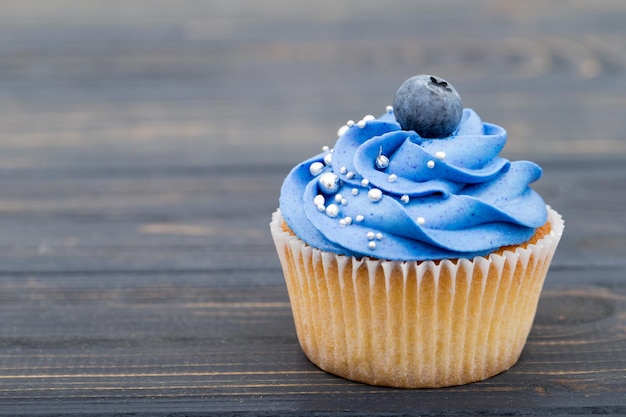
[(142, 147)]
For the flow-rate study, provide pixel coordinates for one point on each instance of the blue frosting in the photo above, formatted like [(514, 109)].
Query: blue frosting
[(438, 198)]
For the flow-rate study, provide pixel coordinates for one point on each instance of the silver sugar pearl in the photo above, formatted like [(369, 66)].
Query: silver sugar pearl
[(316, 168), (343, 129), (328, 183), (382, 161), (319, 200), (375, 195), (332, 210)]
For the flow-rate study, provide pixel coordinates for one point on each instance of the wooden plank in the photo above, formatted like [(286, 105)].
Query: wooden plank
[(197, 219), (190, 338)]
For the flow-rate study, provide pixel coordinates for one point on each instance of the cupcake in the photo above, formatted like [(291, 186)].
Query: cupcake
[(414, 255)]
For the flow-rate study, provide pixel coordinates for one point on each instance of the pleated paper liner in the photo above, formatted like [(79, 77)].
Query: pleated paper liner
[(414, 324)]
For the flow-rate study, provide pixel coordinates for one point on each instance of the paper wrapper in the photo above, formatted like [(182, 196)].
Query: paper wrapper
[(414, 324)]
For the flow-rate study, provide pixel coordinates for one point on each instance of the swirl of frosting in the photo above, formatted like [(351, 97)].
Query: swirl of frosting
[(388, 193)]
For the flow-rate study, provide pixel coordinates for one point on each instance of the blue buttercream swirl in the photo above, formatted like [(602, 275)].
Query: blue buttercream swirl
[(425, 199)]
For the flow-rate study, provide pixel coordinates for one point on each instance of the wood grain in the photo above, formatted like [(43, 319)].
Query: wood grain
[(142, 148)]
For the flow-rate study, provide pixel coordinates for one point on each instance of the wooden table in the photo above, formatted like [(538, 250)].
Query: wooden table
[(142, 148)]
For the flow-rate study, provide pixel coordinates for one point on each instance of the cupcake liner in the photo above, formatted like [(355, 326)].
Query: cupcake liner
[(414, 324)]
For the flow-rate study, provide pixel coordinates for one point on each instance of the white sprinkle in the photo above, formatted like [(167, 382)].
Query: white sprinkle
[(392, 178), (371, 245), (350, 175), (355, 191), (359, 218), (430, 164), (342, 223), (361, 123), (381, 162), (332, 210), (338, 197), (389, 109), (325, 148), (321, 207), (405, 198), (421, 220), (375, 195), (343, 170), (370, 236), (319, 200), (440, 155), (365, 182), (316, 168), (348, 219), (343, 129), (379, 236), (350, 123), (368, 118), (328, 183), (328, 158), (344, 202)]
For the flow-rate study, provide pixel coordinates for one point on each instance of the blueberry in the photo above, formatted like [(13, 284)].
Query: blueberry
[(428, 105)]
